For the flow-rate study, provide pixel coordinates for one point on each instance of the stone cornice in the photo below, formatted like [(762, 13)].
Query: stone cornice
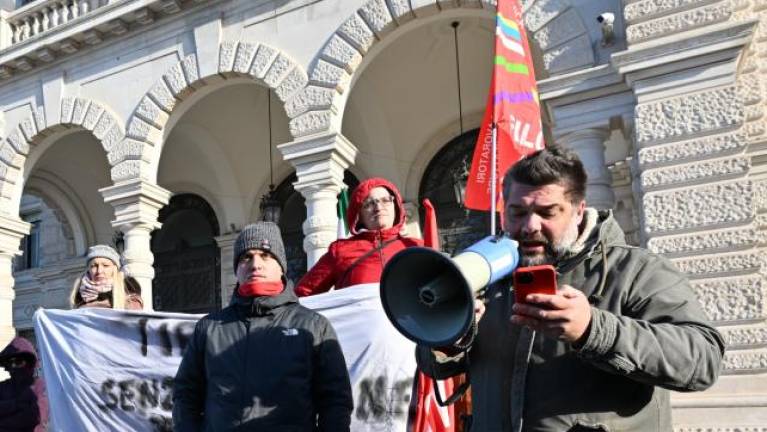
[(694, 45), (596, 81), (55, 271), (591, 112), (12, 230), (117, 19)]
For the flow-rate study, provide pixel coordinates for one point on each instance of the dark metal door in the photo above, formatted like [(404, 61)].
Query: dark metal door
[(187, 280)]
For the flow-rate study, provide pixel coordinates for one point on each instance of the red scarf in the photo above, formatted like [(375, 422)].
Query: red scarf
[(261, 288)]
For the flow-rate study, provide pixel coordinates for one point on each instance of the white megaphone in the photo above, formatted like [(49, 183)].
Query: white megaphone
[(429, 297)]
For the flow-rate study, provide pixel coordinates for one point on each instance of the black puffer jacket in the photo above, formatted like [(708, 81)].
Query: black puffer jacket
[(263, 364)]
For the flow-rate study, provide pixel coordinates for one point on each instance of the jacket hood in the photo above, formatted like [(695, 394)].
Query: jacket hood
[(21, 347), (361, 192), (599, 226), (600, 230)]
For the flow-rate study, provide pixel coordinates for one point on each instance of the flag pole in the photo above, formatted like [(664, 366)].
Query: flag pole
[(493, 182)]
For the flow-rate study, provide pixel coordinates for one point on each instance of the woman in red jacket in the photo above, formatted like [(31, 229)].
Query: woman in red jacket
[(375, 217)]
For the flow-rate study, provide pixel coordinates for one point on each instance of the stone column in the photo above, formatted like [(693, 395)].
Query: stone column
[(589, 145), (320, 161), (137, 204), (6, 32), (12, 230), (228, 278)]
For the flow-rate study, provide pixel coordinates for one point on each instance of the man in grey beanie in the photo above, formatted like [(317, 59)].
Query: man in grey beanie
[(264, 362)]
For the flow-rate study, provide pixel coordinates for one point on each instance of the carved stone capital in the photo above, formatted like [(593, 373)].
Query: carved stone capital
[(320, 160), (584, 138), (136, 202)]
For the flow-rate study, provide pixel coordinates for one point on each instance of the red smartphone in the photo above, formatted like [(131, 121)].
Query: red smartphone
[(541, 279)]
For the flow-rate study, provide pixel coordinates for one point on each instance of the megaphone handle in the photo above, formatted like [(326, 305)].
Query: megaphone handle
[(468, 340), (464, 346)]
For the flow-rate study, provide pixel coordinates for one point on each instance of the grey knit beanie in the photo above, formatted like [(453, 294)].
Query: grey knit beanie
[(265, 236), (103, 251)]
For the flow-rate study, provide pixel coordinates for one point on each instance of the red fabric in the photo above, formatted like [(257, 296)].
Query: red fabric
[(342, 253), (429, 416), (512, 104), (261, 289), (430, 228)]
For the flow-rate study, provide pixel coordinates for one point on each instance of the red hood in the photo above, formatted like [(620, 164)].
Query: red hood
[(361, 192)]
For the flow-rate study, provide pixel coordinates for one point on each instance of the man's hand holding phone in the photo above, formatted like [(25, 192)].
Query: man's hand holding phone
[(563, 313)]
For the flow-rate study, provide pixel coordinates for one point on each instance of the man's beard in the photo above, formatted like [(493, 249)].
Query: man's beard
[(552, 252)]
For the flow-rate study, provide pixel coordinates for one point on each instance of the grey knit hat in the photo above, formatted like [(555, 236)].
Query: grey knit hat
[(265, 236), (103, 251)]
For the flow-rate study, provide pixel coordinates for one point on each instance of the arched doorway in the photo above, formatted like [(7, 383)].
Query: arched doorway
[(443, 183), (186, 257), (292, 218)]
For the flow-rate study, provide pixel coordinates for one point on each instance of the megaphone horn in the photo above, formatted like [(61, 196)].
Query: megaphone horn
[(429, 297)]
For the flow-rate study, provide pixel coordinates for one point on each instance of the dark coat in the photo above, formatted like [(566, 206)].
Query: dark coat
[(263, 364), (648, 335), (23, 404), (339, 266)]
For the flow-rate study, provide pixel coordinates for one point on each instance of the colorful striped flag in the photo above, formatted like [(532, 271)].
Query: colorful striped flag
[(512, 106)]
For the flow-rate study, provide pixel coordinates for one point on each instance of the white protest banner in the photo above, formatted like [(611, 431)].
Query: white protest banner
[(380, 360), (108, 370)]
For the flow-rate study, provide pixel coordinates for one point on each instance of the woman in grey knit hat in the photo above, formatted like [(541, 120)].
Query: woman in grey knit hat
[(103, 284)]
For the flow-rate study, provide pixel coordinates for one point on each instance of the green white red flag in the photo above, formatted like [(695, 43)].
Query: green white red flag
[(512, 106)]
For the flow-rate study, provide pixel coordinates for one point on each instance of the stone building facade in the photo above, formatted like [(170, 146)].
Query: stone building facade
[(158, 125)]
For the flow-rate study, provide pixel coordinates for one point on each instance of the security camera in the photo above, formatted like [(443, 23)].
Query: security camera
[(608, 32), (606, 18)]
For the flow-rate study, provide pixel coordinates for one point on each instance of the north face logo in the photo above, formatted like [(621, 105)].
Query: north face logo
[(290, 332)]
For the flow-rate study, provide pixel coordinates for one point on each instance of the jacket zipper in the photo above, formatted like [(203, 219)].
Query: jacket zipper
[(243, 401), (380, 245)]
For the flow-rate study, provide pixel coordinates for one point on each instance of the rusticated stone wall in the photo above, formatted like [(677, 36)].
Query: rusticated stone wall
[(704, 193)]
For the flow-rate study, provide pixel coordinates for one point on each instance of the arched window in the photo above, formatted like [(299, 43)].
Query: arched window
[(186, 257), (444, 183)]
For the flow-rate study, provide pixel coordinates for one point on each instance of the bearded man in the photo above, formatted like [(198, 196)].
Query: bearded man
[(601, 354)]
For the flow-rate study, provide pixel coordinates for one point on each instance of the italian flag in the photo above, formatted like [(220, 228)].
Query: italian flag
[(343, 204)]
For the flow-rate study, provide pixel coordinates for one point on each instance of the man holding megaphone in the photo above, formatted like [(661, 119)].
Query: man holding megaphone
[(602, 351)]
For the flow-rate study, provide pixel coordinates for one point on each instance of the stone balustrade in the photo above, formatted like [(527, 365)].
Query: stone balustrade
[(48, 30), (41, 16)]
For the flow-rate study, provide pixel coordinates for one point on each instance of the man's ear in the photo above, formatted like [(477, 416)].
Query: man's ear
[(580, 210)]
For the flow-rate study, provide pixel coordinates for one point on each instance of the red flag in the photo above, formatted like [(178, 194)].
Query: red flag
[(429, 416), (430, 232), (512, 105)]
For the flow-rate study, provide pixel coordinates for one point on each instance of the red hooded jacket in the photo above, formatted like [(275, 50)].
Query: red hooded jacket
[(335, 267)]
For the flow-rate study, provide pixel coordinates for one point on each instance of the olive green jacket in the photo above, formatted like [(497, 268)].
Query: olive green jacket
[(648, 335)]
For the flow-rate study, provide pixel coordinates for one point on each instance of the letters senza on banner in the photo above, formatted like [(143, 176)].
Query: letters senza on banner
[(109, 370)]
